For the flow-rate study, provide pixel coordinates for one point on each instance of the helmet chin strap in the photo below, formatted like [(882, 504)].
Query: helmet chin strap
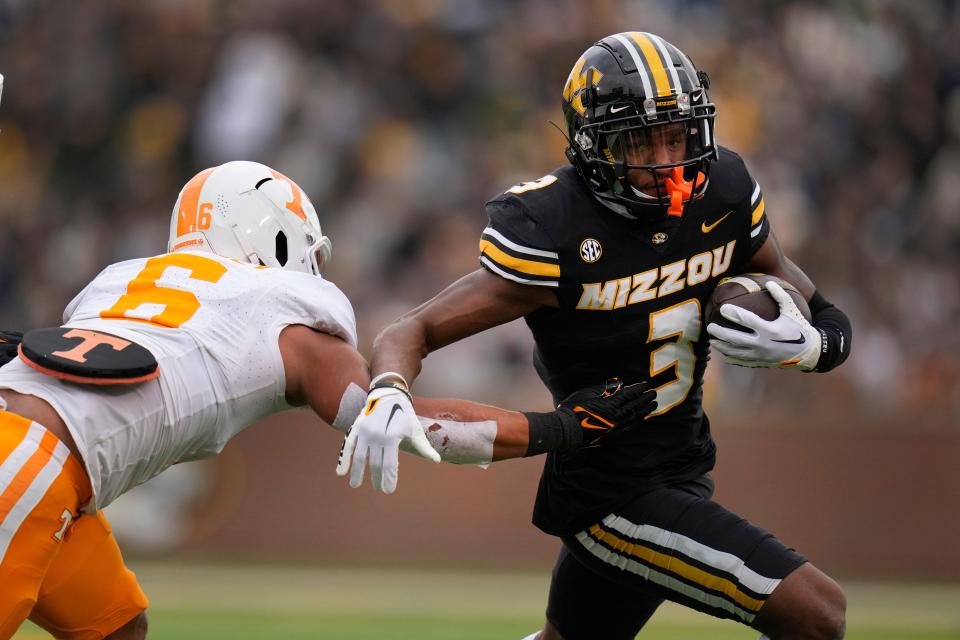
[(248, 251), (616, 207)]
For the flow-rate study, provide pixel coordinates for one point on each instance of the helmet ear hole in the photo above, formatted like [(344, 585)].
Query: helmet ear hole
[(281, 251)]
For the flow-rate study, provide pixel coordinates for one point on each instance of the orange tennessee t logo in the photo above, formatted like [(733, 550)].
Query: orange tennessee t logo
[(91, 339), (586, 424)]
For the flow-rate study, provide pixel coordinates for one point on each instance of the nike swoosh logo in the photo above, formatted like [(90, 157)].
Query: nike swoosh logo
[(707, 228), (799, 340), (393, 412), (586, 424), (619, 109)]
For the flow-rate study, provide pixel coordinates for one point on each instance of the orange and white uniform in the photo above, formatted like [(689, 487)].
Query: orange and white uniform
[(213, 325)]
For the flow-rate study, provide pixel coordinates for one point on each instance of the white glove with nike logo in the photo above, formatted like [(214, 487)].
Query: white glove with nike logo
[(789, 342), (387, 421)]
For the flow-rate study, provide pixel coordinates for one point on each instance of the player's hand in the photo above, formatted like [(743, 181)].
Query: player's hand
[(597, 412), (387, 420), (789, 342), (9, 341)]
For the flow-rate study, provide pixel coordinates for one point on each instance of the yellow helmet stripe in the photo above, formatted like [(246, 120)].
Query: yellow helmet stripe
[(668, 59), (531, 267), (637, 62), (655, 64)]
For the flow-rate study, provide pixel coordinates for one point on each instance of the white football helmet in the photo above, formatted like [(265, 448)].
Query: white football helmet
[(251, 213)]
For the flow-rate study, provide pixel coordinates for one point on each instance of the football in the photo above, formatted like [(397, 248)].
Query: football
[(748, 291)]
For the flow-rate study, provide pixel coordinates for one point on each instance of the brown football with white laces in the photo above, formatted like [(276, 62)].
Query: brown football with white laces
[(748, 291)]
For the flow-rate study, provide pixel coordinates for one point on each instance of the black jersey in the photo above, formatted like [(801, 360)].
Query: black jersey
[(631, 294)]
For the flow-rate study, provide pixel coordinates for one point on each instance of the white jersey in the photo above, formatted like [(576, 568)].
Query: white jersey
[(213, 324)]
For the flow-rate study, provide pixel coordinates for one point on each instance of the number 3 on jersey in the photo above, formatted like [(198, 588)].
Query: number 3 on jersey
[(147, 301), (681, 322)]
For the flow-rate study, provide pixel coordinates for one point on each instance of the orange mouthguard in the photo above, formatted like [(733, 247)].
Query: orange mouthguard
[(677, 188)]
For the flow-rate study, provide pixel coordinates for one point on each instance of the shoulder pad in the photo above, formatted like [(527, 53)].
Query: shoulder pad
[(547, 191), (736, 188), (729, 178), (516, 246)]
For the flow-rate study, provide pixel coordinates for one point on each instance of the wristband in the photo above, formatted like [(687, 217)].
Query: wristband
[(389, 384), (835, 331), (550, 432), (388, 374)]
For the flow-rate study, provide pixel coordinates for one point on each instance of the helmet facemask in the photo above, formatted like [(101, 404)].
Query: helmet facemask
[(634, 158)]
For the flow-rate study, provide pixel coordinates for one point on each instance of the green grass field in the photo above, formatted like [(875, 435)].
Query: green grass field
[(246, 603)]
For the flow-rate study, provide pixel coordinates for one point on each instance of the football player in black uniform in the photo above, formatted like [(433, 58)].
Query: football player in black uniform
[(610, 260)]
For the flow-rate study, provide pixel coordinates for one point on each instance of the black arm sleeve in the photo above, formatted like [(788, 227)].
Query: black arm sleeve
[(835, 330), (552, 431)]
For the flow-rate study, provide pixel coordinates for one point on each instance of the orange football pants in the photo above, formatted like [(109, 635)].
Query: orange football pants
[(62, 570)]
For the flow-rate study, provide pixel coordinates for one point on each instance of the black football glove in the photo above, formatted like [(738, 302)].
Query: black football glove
[(9, 341), (587, 416), (599, 411)]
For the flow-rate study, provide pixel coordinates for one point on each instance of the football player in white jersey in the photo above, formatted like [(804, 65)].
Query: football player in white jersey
[(238, 324)]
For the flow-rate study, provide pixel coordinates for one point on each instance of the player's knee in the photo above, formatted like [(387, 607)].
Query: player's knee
[(823, 614), (826, 616), (830, 619), (808, 604)]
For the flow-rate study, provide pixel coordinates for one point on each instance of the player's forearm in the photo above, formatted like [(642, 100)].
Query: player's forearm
[(473, 433), (472, 304), (400, 348)]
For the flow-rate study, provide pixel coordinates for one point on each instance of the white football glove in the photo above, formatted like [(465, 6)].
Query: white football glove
[(789, 342), (387, 420)]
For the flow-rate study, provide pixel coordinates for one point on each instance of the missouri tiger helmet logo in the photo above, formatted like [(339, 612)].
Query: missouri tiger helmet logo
[(590, 250)]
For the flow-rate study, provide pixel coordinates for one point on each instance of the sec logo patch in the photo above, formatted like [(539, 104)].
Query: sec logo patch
[(590, 250)]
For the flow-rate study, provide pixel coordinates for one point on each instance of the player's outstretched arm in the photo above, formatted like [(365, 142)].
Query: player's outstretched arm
[(474, 433), (789, 341), (325, 373), (461, 431), (474, 303)]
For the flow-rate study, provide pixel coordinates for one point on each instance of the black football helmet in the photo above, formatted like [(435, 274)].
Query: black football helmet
[(640, 124)]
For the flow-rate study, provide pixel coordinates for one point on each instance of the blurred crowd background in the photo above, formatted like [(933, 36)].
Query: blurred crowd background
[(401, 118)]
